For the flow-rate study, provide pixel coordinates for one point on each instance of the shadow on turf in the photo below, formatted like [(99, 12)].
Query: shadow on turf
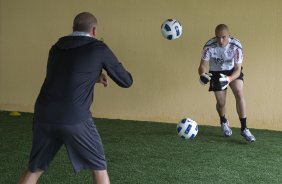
[(241, 141), (214, 134)]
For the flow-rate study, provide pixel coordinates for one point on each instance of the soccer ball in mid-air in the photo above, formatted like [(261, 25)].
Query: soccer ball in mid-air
[(171, 29), (187, 128)]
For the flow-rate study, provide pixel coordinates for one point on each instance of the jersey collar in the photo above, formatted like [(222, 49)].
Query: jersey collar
[(79, 33)]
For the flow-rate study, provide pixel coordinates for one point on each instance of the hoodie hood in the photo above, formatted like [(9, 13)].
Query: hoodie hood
[(70, 42)]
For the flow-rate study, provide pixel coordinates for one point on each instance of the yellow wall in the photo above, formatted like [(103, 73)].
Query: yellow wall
[(166, 86)]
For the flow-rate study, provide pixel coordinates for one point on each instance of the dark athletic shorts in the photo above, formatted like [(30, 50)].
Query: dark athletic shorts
[(82, 142), (214, 82)]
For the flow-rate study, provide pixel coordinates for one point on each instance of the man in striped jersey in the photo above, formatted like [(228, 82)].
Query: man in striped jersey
[(221, 65)]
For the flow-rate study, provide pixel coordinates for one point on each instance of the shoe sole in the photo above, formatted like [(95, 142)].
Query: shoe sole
[(227, 135), (250, 141)]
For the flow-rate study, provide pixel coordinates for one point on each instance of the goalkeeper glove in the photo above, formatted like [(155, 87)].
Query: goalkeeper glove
[(224, 81), (205, 78)]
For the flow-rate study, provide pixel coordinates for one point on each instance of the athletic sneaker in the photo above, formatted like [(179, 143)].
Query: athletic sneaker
[(248, 135), (227, 132)]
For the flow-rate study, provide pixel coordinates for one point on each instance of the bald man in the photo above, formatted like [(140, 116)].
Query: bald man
[(62, 115), (221, 65)]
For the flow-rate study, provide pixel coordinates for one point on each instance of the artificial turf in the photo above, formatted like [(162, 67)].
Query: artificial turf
[(152, 153)]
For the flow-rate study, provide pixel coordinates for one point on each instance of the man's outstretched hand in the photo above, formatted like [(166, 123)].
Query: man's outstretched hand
[(205, 78)]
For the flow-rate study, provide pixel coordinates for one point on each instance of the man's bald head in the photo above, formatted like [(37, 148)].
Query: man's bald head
[(84, 22), (221, 27), (222, 35)]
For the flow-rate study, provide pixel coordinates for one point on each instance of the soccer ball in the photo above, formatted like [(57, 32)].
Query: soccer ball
[(187, 128), (171, 29)]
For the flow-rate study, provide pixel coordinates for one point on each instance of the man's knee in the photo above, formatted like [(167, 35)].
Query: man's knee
[(220, 98), (101, 176), (29, 177), (239, 95), (220, 104)]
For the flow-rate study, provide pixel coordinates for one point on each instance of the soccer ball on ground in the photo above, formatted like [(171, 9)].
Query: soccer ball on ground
[(171, 29), (187, 128)]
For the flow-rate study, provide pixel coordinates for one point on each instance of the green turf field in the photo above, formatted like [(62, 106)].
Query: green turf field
[(152, 153)]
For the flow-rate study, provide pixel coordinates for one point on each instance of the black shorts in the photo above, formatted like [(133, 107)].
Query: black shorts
[(214, 82), (82, 142)]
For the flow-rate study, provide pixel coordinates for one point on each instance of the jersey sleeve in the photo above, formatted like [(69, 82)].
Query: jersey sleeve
[(115, 69), (206, 54), (238, 56)]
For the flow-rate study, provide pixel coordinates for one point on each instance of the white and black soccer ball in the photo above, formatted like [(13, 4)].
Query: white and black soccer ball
[(171, 29), (187, 128)]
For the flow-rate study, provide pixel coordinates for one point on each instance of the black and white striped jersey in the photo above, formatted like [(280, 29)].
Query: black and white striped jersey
[(222, 58)]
